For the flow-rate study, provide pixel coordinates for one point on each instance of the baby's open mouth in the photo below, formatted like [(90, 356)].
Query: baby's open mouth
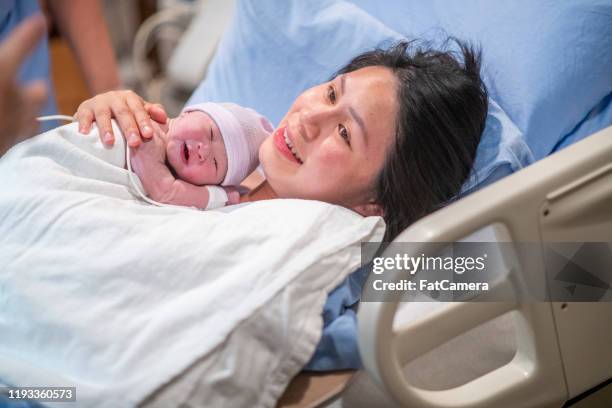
[(185, 152)]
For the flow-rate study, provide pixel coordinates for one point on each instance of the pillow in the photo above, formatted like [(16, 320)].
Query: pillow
[(265, 65), (548, 63), (271, 52), (598, 118), (501, 151)]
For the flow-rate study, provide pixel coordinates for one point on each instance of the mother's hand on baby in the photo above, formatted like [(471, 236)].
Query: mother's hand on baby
[(133, 114)]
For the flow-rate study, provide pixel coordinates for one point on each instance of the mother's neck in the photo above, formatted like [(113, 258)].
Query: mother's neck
[(262, 192)]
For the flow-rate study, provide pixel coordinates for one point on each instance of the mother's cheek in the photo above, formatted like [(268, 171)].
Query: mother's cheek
[(332, 154)]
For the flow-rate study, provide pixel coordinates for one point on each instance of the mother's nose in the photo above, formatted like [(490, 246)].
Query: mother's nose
[(314, 119)]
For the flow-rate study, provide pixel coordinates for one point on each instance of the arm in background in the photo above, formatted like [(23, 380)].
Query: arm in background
[(83, 25)]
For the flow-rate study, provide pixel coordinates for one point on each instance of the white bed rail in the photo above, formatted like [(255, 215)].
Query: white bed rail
[(521, 202)]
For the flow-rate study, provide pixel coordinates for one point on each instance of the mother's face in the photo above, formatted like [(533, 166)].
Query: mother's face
[(332, 143)]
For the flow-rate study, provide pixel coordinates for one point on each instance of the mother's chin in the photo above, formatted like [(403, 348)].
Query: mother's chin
[(279, 171)]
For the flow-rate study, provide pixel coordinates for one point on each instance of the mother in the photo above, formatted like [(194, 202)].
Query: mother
[(393, 133)]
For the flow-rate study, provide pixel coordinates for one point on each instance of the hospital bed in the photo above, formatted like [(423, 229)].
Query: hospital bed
[(538, 353), (497, 354)]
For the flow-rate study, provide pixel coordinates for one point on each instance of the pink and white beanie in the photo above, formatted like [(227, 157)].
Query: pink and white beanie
[(243, 131)]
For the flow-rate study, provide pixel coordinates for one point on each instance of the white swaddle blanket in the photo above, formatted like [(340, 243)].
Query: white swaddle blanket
[(103, 292)]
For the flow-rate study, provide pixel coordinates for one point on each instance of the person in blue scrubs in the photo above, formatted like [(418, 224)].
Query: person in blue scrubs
[(82, 24)]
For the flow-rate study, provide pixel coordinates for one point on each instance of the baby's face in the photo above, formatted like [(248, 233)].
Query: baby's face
[(196, 150)]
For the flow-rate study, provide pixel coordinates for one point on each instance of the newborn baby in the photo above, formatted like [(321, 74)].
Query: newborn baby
[(206, 146)]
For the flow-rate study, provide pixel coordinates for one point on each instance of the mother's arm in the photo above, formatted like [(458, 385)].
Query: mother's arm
[(263, 191), (133, 114)]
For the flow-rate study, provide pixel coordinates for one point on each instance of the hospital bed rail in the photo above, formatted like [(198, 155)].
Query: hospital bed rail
[(562, 349)]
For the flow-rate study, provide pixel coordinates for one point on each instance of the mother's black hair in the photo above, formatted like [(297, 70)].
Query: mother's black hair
[(442, 112)]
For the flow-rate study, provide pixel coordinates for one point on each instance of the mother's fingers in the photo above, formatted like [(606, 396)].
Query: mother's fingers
[(105, 128), (126, 121), (85, 116), (127, 108), (141, 116), (157, 112)]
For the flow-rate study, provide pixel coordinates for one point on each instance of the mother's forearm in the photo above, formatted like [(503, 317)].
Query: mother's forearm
[(262, 192)]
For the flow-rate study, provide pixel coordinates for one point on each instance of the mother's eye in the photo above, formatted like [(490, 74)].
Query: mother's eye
[(331, 94), (344, 134)]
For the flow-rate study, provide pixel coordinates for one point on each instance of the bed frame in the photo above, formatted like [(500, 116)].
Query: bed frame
[(563, 349)]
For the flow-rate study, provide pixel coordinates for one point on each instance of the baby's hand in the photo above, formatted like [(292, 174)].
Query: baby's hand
[(153, 149), (233, 196), (148, 161)]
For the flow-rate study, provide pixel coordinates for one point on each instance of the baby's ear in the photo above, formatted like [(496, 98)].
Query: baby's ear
[(370, 209)]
